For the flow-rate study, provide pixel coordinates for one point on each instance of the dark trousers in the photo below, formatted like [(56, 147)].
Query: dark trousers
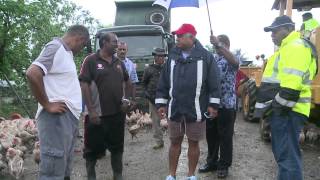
[(219, 138), (109, 134), (285, 130)]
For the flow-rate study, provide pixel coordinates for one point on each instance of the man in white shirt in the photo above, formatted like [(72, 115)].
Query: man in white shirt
[(54, 82)]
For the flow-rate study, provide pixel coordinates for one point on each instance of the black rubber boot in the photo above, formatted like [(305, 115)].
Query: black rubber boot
[(116, 163), (91, 171)]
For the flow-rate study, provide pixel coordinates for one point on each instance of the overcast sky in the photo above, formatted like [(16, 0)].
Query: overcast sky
[(241, 20)]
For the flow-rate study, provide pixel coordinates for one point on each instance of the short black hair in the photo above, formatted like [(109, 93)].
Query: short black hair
[(105, 37), (79, 30), (224, 39)]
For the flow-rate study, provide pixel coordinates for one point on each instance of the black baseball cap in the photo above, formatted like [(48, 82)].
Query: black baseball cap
[(159, 52), (279, 22)]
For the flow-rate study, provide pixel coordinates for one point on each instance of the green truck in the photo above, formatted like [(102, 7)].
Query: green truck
[(143, 27)]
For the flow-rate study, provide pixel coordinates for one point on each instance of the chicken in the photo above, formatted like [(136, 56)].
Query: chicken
[(36, 152), (2, 119), (16, 166), (133, 130), (14, 116), (25, 136), (3, 165), (312, 133), (302, 137), (164, 123)]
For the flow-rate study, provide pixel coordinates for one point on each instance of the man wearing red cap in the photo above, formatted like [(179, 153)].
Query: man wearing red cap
[(188, 92)]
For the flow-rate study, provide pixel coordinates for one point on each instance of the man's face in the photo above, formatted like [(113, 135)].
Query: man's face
[(111, 46), (278, 35), (122, 51), (159, 59), (184, 41), (79, 43)]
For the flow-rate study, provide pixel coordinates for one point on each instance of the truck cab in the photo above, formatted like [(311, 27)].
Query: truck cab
[(143, 27)]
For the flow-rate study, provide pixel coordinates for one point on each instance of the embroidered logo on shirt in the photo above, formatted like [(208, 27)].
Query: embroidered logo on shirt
[(100, 66)]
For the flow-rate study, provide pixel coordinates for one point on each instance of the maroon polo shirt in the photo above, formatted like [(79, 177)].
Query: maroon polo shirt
[(109, 78)]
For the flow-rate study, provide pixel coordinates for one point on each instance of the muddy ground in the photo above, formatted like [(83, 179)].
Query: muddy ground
[(253, 159)]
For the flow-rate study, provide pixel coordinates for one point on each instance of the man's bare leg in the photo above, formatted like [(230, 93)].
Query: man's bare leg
[(174, 153), (193, 156)]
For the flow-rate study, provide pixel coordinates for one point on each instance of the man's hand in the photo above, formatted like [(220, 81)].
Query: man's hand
[(162, 112), (94, 117), (56, 107), (214, 40), (212, 112)]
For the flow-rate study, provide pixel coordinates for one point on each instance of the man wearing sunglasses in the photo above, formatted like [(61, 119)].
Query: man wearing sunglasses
[(189, 86)]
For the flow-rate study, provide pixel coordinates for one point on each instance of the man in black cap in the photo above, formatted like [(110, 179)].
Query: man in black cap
[(285, 90), (150, 81)]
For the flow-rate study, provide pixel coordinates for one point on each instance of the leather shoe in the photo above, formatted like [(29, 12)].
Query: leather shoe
[(222, 173), (207, 168)]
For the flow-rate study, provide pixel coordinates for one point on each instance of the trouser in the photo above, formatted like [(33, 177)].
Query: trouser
[(107, 135), (158, 134), (219, 135), (285, 130), (57, 136)]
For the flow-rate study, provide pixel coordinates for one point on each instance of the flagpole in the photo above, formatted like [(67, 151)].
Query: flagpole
[(209, 18)]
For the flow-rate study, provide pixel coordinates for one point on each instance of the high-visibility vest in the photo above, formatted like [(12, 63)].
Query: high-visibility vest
[(310, 24), (293, 66)]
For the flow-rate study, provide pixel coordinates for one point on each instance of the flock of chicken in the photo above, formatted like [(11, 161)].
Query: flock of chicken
[(136, 120), (18, 136)]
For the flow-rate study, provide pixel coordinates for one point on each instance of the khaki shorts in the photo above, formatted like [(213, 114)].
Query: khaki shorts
[(195, 131)]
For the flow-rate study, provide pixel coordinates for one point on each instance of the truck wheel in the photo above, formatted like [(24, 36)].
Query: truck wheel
[(157, 17), (249, 100), (265, 131)]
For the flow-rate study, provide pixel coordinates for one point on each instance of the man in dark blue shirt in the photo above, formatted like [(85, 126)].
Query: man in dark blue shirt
[(220, 130)]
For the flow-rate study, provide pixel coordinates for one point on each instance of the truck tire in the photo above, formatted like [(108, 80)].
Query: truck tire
[(265, 131), (249, 100), (157, 17)]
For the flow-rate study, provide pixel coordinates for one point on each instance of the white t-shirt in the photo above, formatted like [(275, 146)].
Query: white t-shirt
[(60, 80)]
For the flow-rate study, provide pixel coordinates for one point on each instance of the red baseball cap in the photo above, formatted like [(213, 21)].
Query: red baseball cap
[(185, 28)]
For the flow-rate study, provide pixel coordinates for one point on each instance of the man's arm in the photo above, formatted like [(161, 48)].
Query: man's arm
[(213, 86), (162, 93), (35, 77), (228, 56), (221, 49)]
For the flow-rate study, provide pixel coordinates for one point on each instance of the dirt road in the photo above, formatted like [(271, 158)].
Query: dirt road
[(253, 159)]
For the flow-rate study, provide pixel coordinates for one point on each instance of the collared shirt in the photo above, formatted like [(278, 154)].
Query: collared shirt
[(131, 69), (109, 78), (228, 79)]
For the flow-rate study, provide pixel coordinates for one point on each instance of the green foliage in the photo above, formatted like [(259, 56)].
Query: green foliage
[(26, 26)]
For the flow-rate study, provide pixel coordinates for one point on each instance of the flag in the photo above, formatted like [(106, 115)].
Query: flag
[(177, 3)]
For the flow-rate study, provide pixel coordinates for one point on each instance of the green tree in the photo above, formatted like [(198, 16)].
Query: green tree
[(27, 25)]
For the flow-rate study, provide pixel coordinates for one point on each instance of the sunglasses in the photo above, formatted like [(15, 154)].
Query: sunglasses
[(184, 35)]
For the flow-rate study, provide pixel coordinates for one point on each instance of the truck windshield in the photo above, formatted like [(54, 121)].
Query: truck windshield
[(141, 45)]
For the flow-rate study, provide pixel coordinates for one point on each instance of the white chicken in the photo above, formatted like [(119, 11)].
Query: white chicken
[(164, 123), (36, 152), (133, 130), (15, 162)]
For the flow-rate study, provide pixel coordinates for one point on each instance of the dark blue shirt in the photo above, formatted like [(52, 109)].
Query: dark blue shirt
[(228, 80)]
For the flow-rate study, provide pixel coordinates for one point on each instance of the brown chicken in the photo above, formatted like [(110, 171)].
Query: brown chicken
[(133, 130)]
